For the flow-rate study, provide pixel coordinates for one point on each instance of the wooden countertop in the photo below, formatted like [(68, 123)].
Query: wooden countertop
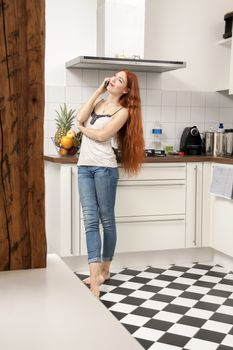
[(168, 159)]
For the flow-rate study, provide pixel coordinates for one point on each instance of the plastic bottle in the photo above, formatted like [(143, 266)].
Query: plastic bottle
[(157, 133), (221, 127)]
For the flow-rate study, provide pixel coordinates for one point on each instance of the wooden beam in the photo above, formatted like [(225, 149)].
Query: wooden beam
[(22, 210)]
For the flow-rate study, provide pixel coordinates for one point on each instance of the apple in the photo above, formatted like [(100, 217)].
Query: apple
[(70, 134), (62, 151)]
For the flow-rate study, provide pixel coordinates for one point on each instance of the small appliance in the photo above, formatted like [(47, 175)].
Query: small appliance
[(228, 18), (191, 142)]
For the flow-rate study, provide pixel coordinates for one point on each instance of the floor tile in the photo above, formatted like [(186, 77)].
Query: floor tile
[(148, 334), (163, 297), (170, 338), (217, 326), (199, 313), (200, 344), (149, 275), (215, 337), (184, 302), (153, 304), (171, 292), (126, 308), (145, 343), (142, 294), (213, 299), (161, 346), (132, 301), (158, 324), (134, 320), (224, 309), (131, 285), (173, 307), (228, 340), (206, 306), (144, 311), (192, 321), (167, 316), (222, 318), (113, 297), (121, 277), (182, 329)]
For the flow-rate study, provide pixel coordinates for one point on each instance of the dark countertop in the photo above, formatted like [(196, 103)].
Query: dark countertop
[(167, 159)]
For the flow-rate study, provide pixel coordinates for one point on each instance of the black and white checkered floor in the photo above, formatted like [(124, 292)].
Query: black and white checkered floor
[(173, 307)]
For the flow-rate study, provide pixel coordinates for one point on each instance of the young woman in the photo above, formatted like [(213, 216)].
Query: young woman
[(100, 120)]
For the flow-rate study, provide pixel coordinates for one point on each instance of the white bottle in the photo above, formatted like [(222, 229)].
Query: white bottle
[(157, 133), (221, 127)]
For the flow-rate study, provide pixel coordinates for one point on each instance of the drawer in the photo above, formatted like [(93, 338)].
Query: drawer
[(157, 172), (146, 234), (150, 198)]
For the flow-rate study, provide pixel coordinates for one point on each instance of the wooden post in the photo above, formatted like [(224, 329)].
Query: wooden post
[(22, 212)]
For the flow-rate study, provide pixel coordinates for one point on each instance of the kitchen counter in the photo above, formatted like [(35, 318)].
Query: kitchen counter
[(52, 309), (167, 159)]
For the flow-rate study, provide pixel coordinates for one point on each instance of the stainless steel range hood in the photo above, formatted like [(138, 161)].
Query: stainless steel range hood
[(112, 63)]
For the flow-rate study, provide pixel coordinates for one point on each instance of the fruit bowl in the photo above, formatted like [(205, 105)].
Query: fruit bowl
[(64, 152)]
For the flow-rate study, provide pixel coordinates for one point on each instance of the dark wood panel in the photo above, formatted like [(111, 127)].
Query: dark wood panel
[(22, 212)]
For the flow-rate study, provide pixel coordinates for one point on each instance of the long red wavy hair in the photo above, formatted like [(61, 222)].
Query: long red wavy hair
[(130, 137)]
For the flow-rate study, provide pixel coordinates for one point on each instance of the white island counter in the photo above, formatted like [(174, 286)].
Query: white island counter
[(51, 309)]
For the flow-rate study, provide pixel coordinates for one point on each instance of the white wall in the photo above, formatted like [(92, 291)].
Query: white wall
[(187, 30), (124, 27), (70, 32)]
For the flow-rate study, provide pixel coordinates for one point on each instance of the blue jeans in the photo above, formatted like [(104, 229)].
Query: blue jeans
[(97, 191)]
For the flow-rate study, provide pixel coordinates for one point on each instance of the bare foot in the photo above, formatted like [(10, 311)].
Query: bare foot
[(96, 281), (106, 277)]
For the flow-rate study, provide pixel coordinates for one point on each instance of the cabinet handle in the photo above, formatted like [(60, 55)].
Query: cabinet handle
[(150, 184), (195, 206), (134, 222)]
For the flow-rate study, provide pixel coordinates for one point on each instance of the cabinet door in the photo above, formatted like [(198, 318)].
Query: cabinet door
[(221, 222), (194, 205), (231, 71), (150, 198), (146, 234), (222, 225), (168, 171)]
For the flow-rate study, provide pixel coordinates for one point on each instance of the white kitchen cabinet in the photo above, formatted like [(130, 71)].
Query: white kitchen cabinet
[(160, 208), (194, 205), (206, 204), (150, 209), (225, 74), (136, 234), (62, 209), (221, 222)]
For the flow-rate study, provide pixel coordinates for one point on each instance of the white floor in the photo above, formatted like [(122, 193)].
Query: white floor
[(51, 309)]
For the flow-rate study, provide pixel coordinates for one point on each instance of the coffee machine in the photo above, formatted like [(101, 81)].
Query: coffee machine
[(191, 142)]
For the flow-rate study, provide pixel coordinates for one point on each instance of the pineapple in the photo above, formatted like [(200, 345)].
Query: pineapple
[(64, 122)]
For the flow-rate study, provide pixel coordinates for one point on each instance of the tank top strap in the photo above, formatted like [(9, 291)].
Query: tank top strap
[(98, 103), (117, 111)]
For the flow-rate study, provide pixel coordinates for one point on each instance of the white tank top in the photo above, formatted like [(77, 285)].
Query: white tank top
[(97, 153)]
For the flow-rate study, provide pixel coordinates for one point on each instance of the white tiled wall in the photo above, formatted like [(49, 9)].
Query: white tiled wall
[(174, 109)]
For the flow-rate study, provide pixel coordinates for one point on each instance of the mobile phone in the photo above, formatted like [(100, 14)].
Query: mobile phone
[(106, 83)]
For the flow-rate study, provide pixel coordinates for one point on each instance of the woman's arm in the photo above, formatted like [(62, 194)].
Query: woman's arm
[(109, 130), (84, 112)]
